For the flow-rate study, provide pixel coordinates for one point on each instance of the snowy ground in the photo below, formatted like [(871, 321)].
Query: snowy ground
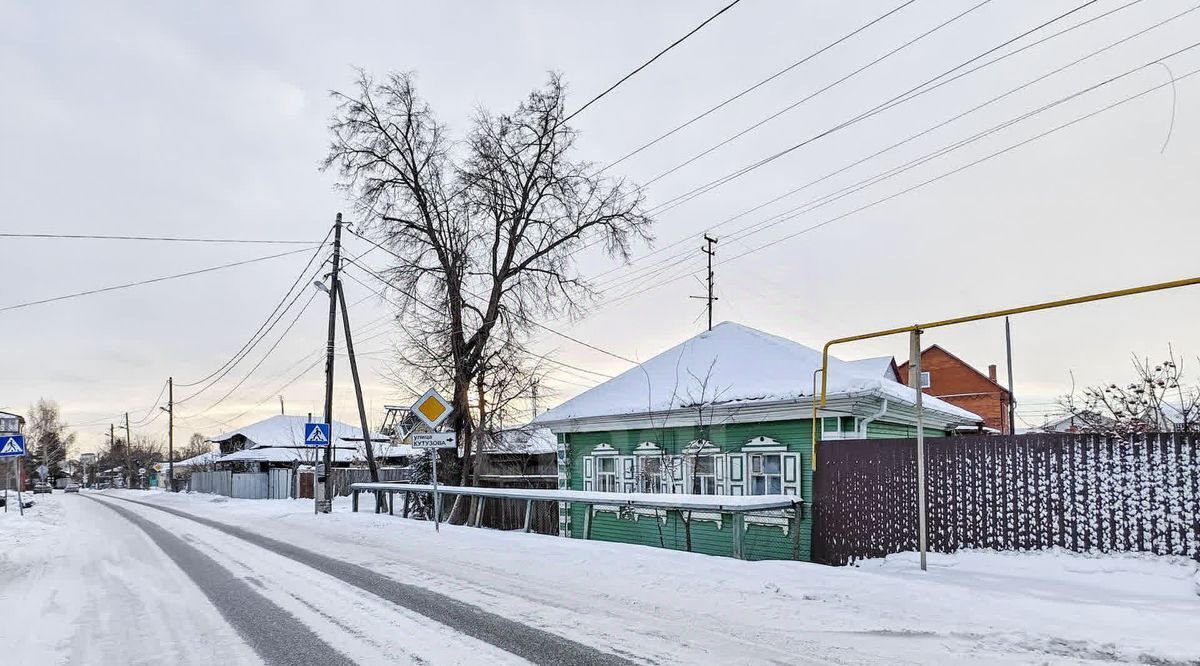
[(87, 586)]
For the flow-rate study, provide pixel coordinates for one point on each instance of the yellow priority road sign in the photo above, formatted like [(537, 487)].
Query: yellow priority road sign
[(432, 408)]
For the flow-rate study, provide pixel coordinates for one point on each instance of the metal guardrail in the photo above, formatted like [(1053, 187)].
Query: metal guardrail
[(736, 505)]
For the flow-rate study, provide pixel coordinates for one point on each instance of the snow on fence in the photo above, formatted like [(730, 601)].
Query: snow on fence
[(1083, 493)]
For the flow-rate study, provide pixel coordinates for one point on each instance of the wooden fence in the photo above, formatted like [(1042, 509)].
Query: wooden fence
[(1079, 492)]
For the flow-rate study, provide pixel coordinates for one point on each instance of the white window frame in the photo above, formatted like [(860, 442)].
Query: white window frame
[(708, 481), (926, 379), (760, 460), (602, 475)]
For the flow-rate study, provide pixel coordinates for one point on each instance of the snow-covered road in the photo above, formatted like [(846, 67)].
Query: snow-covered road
[(244, 581)]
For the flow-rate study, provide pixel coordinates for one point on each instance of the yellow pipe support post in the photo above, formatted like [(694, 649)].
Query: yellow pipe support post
[(992, 315)]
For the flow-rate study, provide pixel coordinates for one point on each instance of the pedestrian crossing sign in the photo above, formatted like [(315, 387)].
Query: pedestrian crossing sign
[(316, 434), (12, 446)]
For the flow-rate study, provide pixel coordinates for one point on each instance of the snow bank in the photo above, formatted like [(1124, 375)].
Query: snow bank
[(673, 607)]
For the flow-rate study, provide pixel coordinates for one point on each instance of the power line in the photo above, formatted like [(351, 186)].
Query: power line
[(756, 86), (173, 239), (646, 64), (534, 323), (150, 281), (910, 94), (810, 96), (255, 336), (634, 276), (937, 178)]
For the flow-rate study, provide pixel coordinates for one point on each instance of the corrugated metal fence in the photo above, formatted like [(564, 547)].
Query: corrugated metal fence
[(1077, 492), (273, 484)]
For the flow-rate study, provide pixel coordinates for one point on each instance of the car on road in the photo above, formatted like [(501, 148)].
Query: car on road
[(42, 488), (71, 488)]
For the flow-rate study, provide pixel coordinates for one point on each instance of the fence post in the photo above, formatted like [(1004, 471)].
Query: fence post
[(391, 502), (354, 499), (739, 535), (479, 511), (404, 512), (528, 515), (587, 521), (796, 532)]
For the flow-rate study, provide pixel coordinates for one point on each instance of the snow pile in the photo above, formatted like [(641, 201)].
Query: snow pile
[(733, 364)]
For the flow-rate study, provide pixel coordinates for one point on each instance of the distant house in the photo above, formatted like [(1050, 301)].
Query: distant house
[(278, 441), (14, 424), (727, 412), (949, 378)]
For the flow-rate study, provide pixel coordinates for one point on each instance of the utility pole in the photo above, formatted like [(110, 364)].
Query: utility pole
[(914, 380), (1012, 398), (281, 412), (362, 412), (171, 433), (128, 459), (534, 400), (112, 440), (710, 252), (329, 344)]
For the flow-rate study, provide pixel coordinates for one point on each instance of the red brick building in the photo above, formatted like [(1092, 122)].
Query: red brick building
[(959, 383)]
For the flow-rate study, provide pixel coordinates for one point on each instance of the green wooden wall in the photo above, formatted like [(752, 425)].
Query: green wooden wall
[(669, 531)]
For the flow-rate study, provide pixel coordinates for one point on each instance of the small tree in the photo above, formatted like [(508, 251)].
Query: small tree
[(49, 440), (1159, 399)]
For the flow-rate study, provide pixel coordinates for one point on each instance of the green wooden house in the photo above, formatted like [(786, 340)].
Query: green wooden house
[(728, 412)]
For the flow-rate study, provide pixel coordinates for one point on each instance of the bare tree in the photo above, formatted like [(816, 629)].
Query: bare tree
[(197, 445), (1159, 399), (486, 231), (49, 438)]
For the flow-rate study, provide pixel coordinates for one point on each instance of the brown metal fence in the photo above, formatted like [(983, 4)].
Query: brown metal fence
[(1084, 493)]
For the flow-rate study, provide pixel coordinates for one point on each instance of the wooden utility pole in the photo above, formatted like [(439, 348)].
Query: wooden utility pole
[(171, 434), (128, 452), (329, 344), (710, 252), (281, 412), (362, 412), (1012, 397)]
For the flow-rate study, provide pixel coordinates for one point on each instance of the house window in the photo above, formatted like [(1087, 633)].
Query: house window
[(766, 474), (606, 474), (704, 476), (830, 424), (651, 480), (925, 381)]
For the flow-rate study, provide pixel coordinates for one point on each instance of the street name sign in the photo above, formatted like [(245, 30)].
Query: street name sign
[(12, 446), (432, 408), (433, 440), (316, 434)]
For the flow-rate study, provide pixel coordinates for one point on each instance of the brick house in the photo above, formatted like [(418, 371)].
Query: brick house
[(957, 382)]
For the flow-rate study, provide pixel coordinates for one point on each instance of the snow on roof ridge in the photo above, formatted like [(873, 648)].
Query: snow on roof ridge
[(744, 364)]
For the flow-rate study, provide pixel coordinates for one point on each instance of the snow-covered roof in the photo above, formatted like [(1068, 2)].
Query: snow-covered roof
[(200, 460), (532, 440), (880, 366), (278, 454), (732, 363), (284, 430)]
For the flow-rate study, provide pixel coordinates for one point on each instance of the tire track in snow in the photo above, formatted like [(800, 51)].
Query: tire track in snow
[(535, 645), (277, 636)]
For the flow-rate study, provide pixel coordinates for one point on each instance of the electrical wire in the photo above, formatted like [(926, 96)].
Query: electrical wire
[(798, 103), (150, 281), (908, 190), (754, 87), (638, 274), (912, 93), (245, 349), (173, 239)]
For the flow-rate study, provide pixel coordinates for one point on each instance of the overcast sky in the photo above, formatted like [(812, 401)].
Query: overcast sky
[(193, 119)]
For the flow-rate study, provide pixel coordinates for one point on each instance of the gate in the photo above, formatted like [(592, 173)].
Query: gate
[(216, 483), (279, 483)]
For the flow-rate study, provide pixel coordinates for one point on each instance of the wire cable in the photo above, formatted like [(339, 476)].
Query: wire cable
[(754, 87), (173, 239), (150, 281)]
